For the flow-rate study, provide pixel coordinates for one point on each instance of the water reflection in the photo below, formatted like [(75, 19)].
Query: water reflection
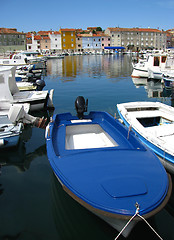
[(18, 157), (111, 66), (73, 221), (154, 88)]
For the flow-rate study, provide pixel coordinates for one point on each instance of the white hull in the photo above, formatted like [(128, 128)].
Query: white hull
[(139, 73), (9, 92), (159, 135)]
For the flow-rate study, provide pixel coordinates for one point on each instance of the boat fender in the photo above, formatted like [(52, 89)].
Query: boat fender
[(47, 131), (3, 142), (50, 99)]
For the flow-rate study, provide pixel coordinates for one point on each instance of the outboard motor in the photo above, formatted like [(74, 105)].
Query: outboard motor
[(81, 106), (40, 84)]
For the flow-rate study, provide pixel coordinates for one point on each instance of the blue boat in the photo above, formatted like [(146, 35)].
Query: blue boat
[(105, 168)]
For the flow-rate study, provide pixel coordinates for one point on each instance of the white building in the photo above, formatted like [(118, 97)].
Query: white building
[(55, 38)]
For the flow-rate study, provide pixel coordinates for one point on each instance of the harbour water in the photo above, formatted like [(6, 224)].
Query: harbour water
[(32, 203)]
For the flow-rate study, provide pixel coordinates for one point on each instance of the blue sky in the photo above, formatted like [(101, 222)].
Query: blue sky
[(52, 14)]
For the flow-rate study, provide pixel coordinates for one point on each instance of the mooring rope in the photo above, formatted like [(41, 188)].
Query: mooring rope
[(129, 129), (137, 214)]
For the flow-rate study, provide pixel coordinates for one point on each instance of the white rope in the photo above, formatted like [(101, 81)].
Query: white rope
[(150, 226), (137, 214)]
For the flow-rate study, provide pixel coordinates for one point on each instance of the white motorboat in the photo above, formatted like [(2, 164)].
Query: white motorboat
[(9, 132), (168, 72), (153, 123), (10, 92), (150, 67), (12, 120)]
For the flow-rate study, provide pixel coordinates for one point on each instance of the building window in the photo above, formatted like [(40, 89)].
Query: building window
[(64, 45), (64, 39), (79, 45), (102, 39), (108, 39), (72, 40), (102, 45), (88, 45), (72, 45), (55, 39), (64, 34), (94, 39), (96, 45), (108, 45), (72, 34)]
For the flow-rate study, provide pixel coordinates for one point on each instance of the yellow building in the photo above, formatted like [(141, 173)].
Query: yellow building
[(68, 37)]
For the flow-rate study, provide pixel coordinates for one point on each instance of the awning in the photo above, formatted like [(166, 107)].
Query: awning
[(114, 47)]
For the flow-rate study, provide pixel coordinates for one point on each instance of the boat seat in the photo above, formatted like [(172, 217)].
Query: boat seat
[(145, 114), (161, 130)]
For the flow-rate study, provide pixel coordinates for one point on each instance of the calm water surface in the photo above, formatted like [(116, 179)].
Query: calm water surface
[(32, 203)]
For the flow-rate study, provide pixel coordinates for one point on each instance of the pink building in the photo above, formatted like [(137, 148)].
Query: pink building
[(105, 40)]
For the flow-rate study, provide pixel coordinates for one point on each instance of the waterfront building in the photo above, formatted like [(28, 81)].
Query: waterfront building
[(11, 40), (44, 40), (170, 38), (55, 41), (136, 39), (90, 42), (33, 42), (79, 42), (49, 41), (105, 40), (68, 38)]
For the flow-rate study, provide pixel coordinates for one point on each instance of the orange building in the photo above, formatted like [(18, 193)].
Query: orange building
[(68, 36)]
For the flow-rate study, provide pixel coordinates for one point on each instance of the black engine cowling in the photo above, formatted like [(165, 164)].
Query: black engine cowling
[(81, 106)]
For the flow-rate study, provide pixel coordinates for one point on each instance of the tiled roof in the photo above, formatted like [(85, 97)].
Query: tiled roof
[(44, 32), (45, 38), (28, 35), (37, 37), (104, 35), (91, 28), (134, 30), (9, 31), (67, 29)]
